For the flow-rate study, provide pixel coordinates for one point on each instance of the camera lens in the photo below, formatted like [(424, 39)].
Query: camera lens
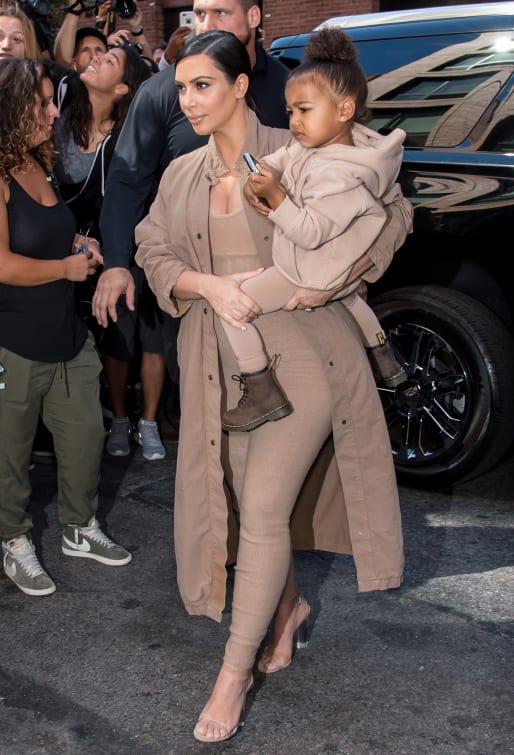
[(40, 6), (125, 8)]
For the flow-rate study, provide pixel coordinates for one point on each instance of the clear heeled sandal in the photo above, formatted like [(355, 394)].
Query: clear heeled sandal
[(300, 641), (230, 733)]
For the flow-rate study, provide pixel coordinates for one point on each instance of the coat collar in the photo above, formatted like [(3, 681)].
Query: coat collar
[(214, 165)]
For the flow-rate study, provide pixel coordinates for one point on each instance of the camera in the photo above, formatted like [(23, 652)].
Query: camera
[(38, 11), (38, 7), (124, 8)]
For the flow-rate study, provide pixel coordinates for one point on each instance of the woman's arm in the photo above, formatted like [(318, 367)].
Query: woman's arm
[(137, 33), (223, 292), (64, 44), (17, 270), (304, 298), (399, 216), (165, 256)]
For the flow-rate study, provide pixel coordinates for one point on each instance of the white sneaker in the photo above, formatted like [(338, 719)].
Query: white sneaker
[(91, 542), (22, 566), (148, 437)]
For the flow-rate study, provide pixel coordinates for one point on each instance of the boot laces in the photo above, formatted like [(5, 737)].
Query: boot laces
[(272, 365), (242, 387)]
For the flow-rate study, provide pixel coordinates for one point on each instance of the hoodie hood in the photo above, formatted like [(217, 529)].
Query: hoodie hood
[(373, 158)]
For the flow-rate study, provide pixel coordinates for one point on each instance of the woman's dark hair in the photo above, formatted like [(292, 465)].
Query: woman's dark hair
[(80, 112), (152, 65), (330, 60), (136, 71), (21, 80), (227, 52)]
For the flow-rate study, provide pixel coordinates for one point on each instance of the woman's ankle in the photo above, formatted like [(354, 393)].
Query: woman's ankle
[(286, 609), (236, 672)]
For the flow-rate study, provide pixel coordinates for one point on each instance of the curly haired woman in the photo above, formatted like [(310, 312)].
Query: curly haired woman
[(50, 364)]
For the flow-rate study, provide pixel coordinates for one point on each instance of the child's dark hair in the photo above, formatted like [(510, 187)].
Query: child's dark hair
[(330, 59)]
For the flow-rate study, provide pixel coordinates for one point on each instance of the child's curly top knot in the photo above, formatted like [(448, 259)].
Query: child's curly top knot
[(330, 61), (331, 46)]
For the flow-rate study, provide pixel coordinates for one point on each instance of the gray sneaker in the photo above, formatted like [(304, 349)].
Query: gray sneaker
[(118, 442), (22, 566), (148, 437), (91, 542)]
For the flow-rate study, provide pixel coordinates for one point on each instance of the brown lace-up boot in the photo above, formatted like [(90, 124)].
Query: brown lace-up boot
[(263, 400), (386, 368)]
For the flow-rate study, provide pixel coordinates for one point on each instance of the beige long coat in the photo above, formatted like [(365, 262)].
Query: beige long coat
[(349, 503)]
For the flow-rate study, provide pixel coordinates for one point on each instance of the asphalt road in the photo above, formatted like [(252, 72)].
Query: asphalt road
[(112, 665)]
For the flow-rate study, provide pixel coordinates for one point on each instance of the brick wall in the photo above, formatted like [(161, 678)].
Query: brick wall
[(153, 22)]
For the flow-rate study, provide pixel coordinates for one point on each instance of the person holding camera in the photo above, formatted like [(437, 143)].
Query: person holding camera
[(74, 47), (73, 51), (129, 12)]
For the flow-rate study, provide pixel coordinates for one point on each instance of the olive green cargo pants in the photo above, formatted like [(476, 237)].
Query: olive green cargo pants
[(67, 396)]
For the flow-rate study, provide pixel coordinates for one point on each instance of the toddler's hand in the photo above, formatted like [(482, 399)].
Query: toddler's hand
[(265, 186)]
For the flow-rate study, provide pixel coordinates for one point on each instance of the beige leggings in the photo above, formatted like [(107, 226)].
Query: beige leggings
[(271, 291), (278, 457)]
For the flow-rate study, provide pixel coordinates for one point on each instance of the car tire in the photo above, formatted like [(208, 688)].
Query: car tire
[(453, 419)]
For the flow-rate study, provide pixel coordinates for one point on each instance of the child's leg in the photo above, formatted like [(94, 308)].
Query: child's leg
[(271, 291), (382, 357), (366, 319), (263, 399)]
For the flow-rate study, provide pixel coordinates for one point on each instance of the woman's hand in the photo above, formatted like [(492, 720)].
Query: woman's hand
[(264, 190), (136, 22), (118, 38), (224, 294), (304, 298), (83, 243), (78, 266)]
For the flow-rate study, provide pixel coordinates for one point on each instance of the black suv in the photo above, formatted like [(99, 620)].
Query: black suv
[(446, 76)]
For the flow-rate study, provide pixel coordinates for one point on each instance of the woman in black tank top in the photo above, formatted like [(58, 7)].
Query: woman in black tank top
[(50, 366)]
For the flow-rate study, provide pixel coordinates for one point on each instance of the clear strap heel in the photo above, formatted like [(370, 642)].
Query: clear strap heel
[(267, 663), (301, 635)]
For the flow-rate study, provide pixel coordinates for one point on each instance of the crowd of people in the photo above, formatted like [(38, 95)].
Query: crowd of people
[(141, 185)]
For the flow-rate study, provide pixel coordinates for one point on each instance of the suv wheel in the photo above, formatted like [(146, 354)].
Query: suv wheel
[(454, 417)]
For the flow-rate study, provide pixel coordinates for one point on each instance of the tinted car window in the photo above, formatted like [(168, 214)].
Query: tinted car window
[(440, 99), (379, 56), (436, 86)]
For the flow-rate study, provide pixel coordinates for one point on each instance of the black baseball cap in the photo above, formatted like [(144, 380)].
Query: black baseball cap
[(89, 31)]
